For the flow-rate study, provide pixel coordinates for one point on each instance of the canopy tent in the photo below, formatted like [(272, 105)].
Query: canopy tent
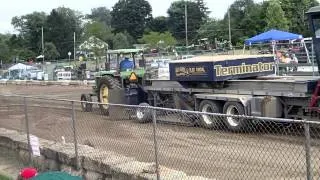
[(272, 35), (20, 66)]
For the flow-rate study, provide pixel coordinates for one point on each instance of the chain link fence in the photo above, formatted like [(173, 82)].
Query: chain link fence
[(266, 148), (11, 117)]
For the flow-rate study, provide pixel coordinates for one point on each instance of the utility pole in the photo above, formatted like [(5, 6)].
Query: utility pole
[(42, 45), (186, 22), (74, 46), (229, 25)]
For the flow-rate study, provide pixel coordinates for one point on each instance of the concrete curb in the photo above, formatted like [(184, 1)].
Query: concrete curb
[(94, 164)]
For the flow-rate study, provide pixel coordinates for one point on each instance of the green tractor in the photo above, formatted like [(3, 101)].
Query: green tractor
[(122, 74)]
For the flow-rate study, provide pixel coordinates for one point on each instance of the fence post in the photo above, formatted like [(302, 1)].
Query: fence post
[(75, 140), (27, 126), (154, 119), (308, 150)]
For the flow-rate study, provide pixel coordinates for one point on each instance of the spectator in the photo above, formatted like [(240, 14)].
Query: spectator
[(294, 59), (286, 59), (126, 64), (294, 63)]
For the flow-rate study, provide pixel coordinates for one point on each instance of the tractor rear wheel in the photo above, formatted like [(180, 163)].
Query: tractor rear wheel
[(106, 83)]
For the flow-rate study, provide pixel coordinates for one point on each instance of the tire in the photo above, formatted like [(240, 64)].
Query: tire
[(86, 107), (106, 83), (208, 121), (234, 124), (143, 115)]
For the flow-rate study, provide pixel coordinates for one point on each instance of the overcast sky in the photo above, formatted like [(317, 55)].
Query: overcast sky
[(20, 7)]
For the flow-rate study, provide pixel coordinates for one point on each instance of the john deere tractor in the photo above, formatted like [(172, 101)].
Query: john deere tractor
[(121, 78)]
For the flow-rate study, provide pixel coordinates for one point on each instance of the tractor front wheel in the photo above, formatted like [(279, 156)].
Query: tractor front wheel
[(86, 104), (144, 114)]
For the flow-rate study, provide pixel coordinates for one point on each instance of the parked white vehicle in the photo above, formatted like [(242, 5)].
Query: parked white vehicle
[(64, 75)]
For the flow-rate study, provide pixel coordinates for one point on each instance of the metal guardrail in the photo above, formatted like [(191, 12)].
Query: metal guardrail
[(267, 147)]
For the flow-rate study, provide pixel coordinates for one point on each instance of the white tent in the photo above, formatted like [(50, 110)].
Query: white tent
[(20, 66), (40, 56)]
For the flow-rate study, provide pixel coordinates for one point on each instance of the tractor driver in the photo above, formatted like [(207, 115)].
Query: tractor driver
[(126, 64)]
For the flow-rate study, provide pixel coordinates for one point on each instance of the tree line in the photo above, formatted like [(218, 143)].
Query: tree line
[(131, 22)]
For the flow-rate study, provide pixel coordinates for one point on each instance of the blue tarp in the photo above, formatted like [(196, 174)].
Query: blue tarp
[(272, 35)]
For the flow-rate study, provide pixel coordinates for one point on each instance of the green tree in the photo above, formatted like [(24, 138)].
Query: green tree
[(4, 52), (247, 19), (25, 54), (16, 44), (295, 13), (154, 39), (131, 16), (212, 29), (121, 41), (102, 15), (99, 30), (60, 26), (50, 51), (275, 16), (158, 24), (203, 8), (12, 47), (4, 48), (176, 20), (29, 27)]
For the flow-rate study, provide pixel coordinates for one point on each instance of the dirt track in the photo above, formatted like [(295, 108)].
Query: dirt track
[(196, 151)]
